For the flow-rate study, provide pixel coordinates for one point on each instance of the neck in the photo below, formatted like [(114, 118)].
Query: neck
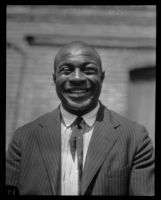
[(81, 112)]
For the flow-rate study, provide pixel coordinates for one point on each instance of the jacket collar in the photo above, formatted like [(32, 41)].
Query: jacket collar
[(49, 141), (104, 138)]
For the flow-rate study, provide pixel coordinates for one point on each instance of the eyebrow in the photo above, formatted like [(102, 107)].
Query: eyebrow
[(71, 63)]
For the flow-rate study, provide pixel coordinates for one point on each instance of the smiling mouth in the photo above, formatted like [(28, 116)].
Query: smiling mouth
[(78, 94), (77, 90)]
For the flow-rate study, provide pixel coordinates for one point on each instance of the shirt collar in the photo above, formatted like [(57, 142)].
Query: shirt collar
[(89, 118)]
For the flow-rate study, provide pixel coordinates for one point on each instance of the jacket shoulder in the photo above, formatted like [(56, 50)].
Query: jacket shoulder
[(131, 133), (123, 119), (40, 120), (127, 126), (29, 129)]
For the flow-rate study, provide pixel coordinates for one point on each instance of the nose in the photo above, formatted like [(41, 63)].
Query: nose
[(77, 77)]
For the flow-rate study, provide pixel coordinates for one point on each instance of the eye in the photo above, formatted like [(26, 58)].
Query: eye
[(90, 69), (65, 69)]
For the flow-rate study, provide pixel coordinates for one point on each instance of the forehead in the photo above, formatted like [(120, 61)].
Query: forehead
[(77, 53)]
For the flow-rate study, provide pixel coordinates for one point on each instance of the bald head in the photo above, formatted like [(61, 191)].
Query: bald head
[(75, 49)]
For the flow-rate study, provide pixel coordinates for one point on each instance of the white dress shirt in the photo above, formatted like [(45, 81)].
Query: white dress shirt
[(69, 167)]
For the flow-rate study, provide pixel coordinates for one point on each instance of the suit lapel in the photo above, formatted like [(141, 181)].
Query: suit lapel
[(49, 141), (103, 139)]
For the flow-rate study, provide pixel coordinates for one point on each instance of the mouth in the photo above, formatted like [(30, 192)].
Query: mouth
[(78, 93)]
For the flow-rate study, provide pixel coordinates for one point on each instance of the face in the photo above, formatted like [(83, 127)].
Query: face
[(78, 78)]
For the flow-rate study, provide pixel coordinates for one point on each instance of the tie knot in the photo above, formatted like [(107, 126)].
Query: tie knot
[(78, 122)]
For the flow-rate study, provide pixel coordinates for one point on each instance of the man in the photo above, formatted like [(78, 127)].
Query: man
[(116, 157)]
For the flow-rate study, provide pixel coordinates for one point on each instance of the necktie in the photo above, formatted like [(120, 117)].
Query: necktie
[(76, 143)]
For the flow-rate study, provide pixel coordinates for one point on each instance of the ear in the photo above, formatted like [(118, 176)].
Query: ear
[(102, 76), (54, 77)]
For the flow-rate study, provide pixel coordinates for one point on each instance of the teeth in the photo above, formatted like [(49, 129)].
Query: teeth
[(77, 91)]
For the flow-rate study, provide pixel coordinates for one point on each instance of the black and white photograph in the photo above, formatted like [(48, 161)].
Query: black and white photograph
[(80, 100)]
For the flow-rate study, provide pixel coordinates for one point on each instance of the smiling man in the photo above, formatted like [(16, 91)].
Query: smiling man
[(82, 147)]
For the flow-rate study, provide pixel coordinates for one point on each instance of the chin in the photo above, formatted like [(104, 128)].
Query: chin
[(81, 107)]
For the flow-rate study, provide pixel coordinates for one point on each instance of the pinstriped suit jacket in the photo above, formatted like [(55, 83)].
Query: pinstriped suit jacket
[(119, 161)]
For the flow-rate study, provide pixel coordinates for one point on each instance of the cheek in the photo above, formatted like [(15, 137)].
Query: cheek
[(60, 81), (95, 83)]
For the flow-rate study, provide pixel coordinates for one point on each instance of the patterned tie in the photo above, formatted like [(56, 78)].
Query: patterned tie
[(76, 143)]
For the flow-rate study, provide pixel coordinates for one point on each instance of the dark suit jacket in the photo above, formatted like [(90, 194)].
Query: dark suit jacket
[(119, 161)]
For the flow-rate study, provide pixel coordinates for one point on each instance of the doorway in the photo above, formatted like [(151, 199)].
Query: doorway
[(141, 98)]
